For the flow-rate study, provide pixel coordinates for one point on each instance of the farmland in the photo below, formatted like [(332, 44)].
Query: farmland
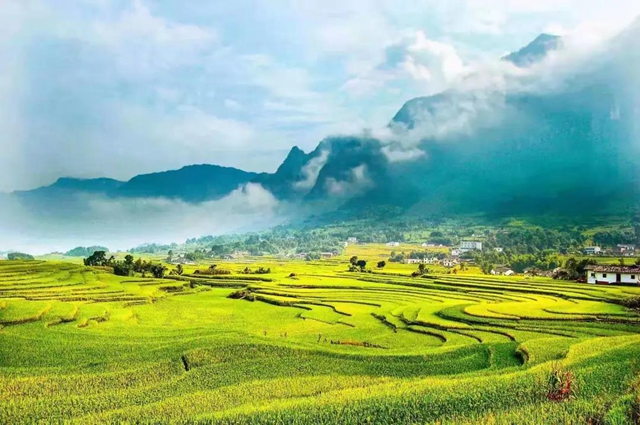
[(311, 343)]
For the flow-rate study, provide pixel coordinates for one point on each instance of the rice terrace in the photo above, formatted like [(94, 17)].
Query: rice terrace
[(319, 212), (313, 343)]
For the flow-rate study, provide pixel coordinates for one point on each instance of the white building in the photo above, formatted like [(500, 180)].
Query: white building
[(352, 240), (433, 260), (592, 250), (413, 261), (613, 274), (470, 246), (393, 243), (455, 252), (450, 262), (498, 249)]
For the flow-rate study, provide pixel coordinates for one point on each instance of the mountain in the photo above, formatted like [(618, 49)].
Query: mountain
[(562, 141), (534, 140), (288, 180), (193, 183), (67, 185), (535, 51)]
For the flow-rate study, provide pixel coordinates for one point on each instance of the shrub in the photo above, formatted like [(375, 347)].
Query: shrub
[(560, 384)]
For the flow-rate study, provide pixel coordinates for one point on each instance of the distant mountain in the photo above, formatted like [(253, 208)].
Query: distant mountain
[(534, 51), (194, 183), (81, 251), (66, 186)]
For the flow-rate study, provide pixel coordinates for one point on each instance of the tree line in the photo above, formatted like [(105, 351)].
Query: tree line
[(126, 267)]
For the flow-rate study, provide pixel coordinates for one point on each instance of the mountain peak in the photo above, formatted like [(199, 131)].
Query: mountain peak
[(534, 51)]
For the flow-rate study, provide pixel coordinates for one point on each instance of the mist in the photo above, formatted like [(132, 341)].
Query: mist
[(124, 223)]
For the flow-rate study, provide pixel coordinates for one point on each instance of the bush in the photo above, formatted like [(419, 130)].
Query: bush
[(213, 270), (560, 385)]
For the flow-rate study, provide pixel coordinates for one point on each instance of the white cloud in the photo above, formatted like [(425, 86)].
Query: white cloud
[(143, 44), (355, 183), (232, 105), (123, 223), (311, 170)]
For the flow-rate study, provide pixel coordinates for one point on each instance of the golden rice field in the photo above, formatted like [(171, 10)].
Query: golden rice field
[(79, 345)]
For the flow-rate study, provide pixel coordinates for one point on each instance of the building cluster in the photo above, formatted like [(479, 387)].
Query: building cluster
[(448, 262), (180, 259), (620, 250)]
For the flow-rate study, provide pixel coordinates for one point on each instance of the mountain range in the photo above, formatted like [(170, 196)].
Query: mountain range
[(551, 131)]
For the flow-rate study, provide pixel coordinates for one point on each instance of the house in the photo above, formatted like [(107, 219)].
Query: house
[(413, 261), (592, 250), (393, 243), (503, 271), (470, 246), (431, 261), (449, 262), (428, 245), (326, 255), (613, 274), (352, 240), (455, 252)]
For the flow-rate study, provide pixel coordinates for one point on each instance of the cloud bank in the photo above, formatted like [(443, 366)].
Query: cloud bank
[(124, 223)]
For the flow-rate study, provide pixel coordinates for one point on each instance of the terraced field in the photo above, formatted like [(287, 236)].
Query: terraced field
[(322, 346)]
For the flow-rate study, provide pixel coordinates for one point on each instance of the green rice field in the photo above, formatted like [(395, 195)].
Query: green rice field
[(311, 343)]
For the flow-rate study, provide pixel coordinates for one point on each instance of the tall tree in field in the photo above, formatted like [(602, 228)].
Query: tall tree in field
[(98, 258), (362, 264), (382, 264), (354, 260)]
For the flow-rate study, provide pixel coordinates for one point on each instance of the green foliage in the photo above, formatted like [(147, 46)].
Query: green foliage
[(98, 258), (612, 238)]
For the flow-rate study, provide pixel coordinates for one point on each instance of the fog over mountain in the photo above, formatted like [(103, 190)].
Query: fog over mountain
[(552, 127)]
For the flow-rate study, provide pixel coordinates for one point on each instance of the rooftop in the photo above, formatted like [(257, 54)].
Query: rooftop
[(614, 269)]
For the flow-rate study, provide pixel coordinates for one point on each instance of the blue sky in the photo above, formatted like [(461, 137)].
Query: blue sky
[(117, 88)]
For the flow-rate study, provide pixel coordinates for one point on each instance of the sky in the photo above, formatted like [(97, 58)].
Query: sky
[(92, 88)]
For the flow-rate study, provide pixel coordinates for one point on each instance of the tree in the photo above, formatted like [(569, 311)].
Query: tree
[(422, 269), (382, 264), (98, 258), (354, 260), (158, 270), (179, 270), (621, 262), (170, 256), (128, 260), (121, 268), (362, 264), (463, 266)]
